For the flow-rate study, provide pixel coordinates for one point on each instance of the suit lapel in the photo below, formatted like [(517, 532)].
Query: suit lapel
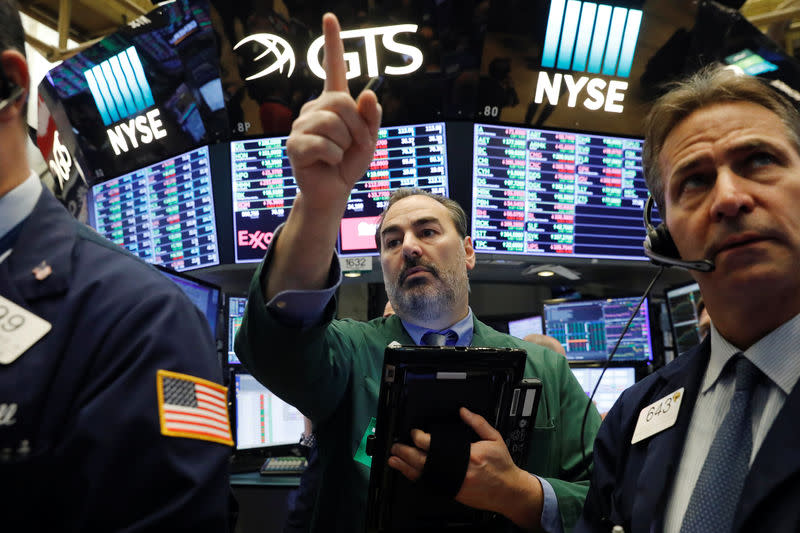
[(47, 236), (776, 461), (663, 450)]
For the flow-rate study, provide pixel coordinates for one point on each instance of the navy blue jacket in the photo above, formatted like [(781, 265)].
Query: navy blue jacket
[(84, 450), (631, 484)]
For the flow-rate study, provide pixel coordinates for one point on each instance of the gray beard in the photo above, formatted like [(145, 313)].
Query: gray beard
[(427, 301)]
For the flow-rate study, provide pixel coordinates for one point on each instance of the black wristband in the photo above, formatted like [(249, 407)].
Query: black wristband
[(448, 460)]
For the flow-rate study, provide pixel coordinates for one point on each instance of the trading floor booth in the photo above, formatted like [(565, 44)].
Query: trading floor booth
[(526, 113)]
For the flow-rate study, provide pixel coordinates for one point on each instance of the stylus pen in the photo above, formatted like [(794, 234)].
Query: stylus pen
[(374, 84)]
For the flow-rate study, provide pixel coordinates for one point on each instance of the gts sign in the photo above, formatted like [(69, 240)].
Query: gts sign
[(280, 53)]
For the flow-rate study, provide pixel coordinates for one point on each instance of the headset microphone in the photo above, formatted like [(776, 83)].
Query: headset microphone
[(661, 249)]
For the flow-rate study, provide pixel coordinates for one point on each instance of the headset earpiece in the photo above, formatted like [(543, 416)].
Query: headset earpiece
[(660, 241), (10, 92), (660, 248)]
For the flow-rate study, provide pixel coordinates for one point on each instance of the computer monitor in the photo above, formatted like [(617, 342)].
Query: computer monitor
[(615, 380), (557, 193), (164, 213), (236, 305), (205, 296), (525, 326), (589, 329), (682, 309), (149, 90), (261, 418), (264, 188)]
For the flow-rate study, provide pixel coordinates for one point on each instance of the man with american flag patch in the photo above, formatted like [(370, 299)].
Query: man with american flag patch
[(112, 417)]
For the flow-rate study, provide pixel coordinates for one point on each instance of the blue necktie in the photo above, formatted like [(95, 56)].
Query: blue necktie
[(435, 338), (719, 486)]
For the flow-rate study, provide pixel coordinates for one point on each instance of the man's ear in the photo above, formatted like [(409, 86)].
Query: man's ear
[(15, 68), (470, 252)]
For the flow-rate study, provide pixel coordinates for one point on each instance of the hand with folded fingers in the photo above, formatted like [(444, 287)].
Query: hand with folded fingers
[(492, 481)]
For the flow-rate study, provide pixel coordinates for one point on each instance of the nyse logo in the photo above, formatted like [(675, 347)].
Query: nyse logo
[(593, 38), (121, 90), (281, 50), (257, 240), (273, 46)]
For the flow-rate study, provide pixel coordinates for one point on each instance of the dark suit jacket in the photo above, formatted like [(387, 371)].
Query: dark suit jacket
[(631, 484), (84, 450)]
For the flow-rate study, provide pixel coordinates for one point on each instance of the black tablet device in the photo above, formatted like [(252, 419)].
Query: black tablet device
[(424, 387)]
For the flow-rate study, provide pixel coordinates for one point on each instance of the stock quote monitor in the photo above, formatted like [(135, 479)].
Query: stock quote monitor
[(557, 193), (205, 296), (683, 319), (525, 326), (589, 329), (263, 419), (264, 187), (615, 380), (236, 305), (163, 213)]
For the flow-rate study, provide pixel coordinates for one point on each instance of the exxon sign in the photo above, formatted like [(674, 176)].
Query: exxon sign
[(592, 38)]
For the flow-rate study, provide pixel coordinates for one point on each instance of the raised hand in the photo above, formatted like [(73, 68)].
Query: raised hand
[(333, 139)]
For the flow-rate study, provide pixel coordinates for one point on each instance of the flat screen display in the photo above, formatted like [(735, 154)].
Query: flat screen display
[(163, 213), (236, 307), (614, 383), (264, 188), (263, 419), (682, 308), (525, 326), (149, 90), (589, 329), (557, 193), (203, 295)]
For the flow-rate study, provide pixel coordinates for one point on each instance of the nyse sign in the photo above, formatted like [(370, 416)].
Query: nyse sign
[(279, 49)]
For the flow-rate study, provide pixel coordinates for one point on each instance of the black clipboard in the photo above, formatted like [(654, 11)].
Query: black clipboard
[(423, 387)]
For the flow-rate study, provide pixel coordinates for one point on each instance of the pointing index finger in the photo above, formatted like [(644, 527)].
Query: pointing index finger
[(335, 70)]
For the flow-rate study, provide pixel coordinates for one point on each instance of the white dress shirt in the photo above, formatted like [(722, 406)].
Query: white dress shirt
[(778, 356)]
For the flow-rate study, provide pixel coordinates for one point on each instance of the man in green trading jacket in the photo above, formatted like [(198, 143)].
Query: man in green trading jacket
[(330, 369)]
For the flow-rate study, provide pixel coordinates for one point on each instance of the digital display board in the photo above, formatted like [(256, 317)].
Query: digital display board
[(588, 330), (151, 89), (263, 419), (682, 308), (264, 187), (556, 193), (525, 326), (202, 294), (236, 307), (164, 213), (614, 382), (405, 156)]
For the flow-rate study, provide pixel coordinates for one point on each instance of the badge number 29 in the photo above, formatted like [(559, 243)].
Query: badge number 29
[(10, 321), (19, 330), (662, 407)]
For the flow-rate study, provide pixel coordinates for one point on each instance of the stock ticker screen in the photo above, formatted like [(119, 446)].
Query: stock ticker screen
[(236, 305), (264, 187), (555, 193), (588, 330), (164, 213)]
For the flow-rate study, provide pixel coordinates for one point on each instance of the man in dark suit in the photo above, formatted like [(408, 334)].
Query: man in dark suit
[(722, 162), (112, 417)]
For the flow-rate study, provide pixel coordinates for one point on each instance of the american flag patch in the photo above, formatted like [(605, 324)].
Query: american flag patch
[(192, 407)]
